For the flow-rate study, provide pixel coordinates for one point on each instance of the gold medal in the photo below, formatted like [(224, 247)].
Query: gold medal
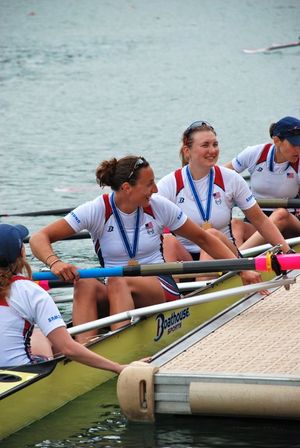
[(206, 225), (132, 262)]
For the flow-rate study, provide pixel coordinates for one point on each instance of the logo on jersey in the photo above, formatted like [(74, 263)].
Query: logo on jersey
[(181, 200), (238, 162), (217, 198), (110, 228), (149, 227), (249, 198), (75, 217), (55, 317), (180, 215), (290, 175), (259, 169)]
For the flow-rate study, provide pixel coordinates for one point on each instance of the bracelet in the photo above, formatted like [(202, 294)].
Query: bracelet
[(53, 262), (49, 256)]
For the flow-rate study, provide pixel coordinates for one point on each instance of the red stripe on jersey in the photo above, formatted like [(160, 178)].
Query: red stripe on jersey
[(264, 154), (295, 165), (179, 180), (149, 211), (97, 246), (3, 302), (219, 178), (18, 277), (27, 326), (108, 209)]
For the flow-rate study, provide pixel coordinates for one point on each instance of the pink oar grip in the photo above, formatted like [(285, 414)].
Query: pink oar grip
[(291, 261), (260, 263), (43, 284)]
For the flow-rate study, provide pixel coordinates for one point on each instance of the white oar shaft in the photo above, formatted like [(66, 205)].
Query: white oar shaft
[(259, 249), (153, 309), (186, 286)]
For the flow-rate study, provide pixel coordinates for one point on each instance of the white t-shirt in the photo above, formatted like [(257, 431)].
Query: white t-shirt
[(268, 178), (100, 222), (229, 189), (28, 304)]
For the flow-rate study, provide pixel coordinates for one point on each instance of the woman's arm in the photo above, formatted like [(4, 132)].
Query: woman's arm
[(229, 165), (265, 228), (63, 343), (40, 243), (212, 245)]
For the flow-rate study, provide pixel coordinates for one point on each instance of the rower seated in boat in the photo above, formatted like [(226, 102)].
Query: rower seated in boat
[(126, 227), (207, 194), (23, 304), (274, 173)]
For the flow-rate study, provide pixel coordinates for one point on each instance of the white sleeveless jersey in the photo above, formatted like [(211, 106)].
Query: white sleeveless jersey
[(97, 217), (229, 189), (268, 178), (28, 304)]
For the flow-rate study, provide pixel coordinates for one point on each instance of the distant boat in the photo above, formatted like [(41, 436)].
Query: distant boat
[(273, 47)]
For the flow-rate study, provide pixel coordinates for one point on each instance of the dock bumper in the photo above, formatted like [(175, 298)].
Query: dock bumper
[(135, 390), (144, 393)]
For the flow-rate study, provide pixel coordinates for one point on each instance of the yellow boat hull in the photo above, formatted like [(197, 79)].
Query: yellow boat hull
[(39, 390)]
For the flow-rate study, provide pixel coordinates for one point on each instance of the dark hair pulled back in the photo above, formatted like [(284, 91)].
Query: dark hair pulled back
[(113, 173)]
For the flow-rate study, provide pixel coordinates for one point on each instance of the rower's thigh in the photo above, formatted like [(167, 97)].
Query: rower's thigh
[(146, 291)]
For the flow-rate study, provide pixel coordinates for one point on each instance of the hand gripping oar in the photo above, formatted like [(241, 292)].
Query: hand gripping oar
[(262, 263)]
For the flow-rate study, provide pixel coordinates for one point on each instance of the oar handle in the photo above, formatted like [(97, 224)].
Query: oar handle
[(83, 273)]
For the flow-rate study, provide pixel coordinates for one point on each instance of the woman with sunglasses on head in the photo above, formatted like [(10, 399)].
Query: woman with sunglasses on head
[(126, 227), (207, 193), (274, 173), (24, 304)]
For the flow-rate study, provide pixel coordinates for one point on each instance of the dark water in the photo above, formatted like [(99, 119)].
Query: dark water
[(94, 420), (81, 81)]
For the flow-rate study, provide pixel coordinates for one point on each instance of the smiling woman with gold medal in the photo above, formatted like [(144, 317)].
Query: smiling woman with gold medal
[(126, 227), (206, 193)]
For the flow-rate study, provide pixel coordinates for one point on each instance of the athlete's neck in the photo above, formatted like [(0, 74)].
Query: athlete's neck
[(198, 172), (123, 203), (278, 156)]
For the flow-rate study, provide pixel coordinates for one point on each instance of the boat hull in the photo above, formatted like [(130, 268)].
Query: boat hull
[(41, 389)]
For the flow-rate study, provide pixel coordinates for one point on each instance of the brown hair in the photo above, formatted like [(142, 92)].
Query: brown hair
[(271, 130), (6, 273), (113, 173), (187, 138)]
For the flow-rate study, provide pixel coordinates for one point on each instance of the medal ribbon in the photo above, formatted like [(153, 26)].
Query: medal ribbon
[(205, 215), (131, 251)]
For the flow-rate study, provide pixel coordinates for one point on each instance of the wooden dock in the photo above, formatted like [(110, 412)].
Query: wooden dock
[(245, 362)]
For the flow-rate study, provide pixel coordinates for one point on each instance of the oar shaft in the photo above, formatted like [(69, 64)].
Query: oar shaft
[(163, 307), (276, 203), (241, 264), (185, 286), (77, 236), (59, 211)]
